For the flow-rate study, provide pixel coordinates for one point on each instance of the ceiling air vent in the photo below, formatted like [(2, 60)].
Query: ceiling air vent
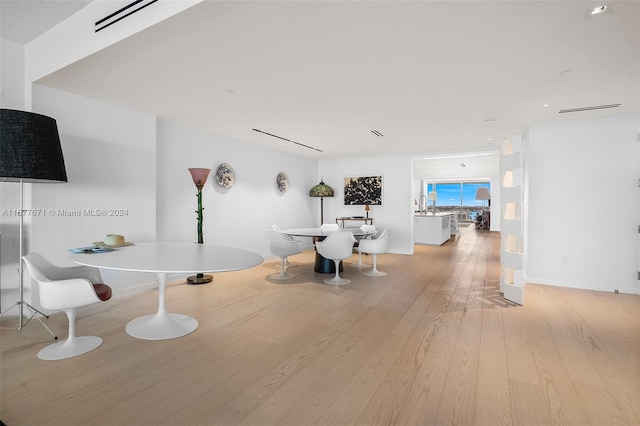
[(119, 15), (285, 139), (590, 108), (377, 133)]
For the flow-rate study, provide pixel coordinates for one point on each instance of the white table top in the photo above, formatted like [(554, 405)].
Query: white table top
[(317, 232), (171, 258)]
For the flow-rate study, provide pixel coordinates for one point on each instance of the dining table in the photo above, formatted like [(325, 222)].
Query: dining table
[(164, 258), (322, 264)]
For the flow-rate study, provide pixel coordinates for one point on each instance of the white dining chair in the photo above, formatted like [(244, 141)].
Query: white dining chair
[(66, 289), (365, 228), (276, 228), (281, 246), (329, 227), (374, 247), (337, 246)]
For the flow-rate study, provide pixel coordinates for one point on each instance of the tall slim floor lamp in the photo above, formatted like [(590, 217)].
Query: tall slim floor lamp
[(482, 194), (199, 176), (30, 152)]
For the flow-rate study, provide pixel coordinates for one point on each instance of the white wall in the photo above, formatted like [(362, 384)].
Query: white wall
[(236, 216), (110, 160), (11, 75), (396, 211), (582, 203)]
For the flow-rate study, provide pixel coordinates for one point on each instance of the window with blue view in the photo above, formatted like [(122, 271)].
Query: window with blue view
[(460, 197)]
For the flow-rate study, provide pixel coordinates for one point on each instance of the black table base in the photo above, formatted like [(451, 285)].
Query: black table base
[(325, 266)]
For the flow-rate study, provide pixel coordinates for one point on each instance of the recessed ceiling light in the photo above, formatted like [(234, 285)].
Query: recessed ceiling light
[(230, 92), (546, 105), (564, 73), (490, 139), (489, 121)]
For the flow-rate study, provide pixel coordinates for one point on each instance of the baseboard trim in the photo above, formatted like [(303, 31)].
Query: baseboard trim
[(581, 286)]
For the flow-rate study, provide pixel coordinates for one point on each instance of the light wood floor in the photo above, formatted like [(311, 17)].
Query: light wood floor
[(432, 343)]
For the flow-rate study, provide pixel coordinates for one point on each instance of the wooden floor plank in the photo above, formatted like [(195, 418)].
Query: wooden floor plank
[(352, 401), (423, 364), (528, 404), (589, 362), (562, 401), (460, 388), (455, 404)]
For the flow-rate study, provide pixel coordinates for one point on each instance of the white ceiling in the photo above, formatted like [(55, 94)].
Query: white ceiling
[(477, 166), (24, 20), (425, 74)]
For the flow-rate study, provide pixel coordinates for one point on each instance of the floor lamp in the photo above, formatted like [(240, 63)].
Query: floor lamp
[(321, 190), (30, 152), (199, 176), (482, 194)]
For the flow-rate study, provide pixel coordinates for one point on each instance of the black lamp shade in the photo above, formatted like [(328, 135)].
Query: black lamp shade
[(30, 148)]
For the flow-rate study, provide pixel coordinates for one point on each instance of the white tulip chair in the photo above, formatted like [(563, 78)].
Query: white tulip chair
[(329, 227), (337, 246), (66, 289), (365, 228), (283, 247), (286, 237), (374, 247)]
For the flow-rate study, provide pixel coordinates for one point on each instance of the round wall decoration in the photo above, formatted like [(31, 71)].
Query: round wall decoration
[(283, 182), (225, 176)]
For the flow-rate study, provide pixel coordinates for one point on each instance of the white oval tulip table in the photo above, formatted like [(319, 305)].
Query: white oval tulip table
[(163, 259)]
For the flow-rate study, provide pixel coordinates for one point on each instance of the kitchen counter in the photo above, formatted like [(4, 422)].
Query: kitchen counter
[(432, 229)]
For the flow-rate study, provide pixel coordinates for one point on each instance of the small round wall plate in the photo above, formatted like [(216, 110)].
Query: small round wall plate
[(225, 176), (282, 181)]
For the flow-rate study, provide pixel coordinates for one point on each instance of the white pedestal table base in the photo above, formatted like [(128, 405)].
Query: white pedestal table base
[(163, 325)]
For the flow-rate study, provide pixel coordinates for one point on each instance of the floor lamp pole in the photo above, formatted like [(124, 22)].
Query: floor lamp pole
[(21, 303), (20, 267), (321, 190)]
